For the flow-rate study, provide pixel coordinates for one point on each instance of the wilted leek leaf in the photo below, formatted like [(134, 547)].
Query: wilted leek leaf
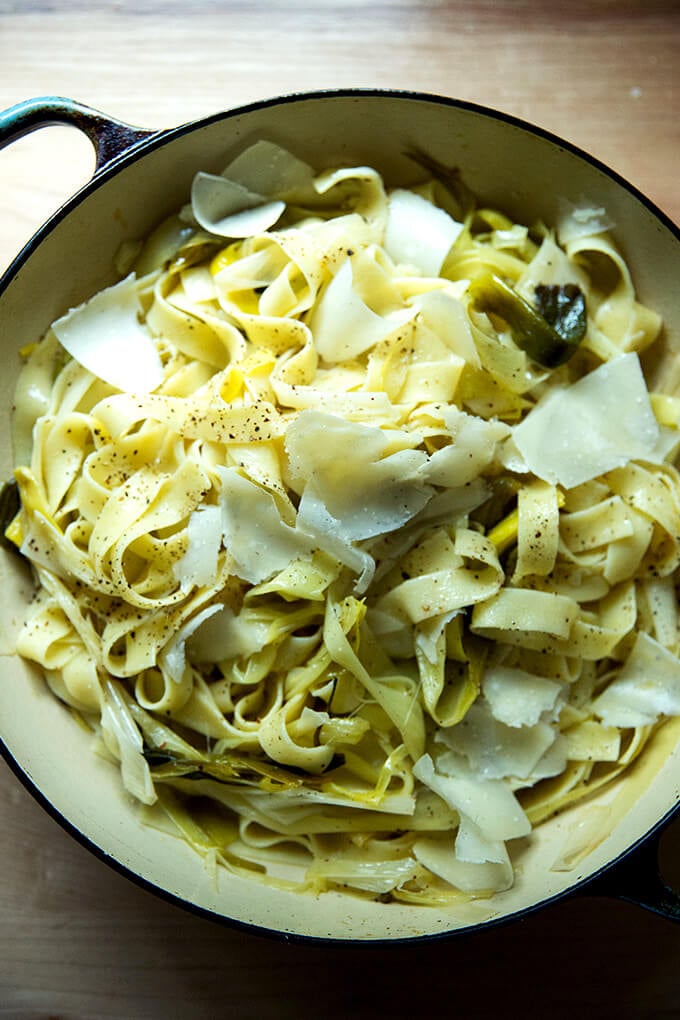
[(9, 507), (531, 330), (227, 768), (242, 769)]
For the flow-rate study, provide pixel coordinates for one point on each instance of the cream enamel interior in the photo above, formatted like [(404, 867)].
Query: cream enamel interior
[(507, 165)]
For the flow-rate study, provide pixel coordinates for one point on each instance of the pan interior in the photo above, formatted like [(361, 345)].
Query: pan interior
[(507, 165)]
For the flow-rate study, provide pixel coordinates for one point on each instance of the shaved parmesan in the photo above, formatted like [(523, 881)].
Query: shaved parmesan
[(581, 219), (489, 803), (344, 326), (226, 635), (647, 687), (438, 855), (251, 193), (472, 449), (518, 698), (443, 312), (270, 169), (553, 762), (328, 533), (368, 490), (173, 658), (259, 541), (473, 848), (418, 233), (492, 749), (105, 335), (198, 565), (229, 209), (599, 423)]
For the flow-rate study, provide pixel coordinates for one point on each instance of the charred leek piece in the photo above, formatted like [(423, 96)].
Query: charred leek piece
[(550, 333), (564, 307)]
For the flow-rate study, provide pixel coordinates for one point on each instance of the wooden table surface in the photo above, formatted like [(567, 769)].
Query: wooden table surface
[(78, 941)]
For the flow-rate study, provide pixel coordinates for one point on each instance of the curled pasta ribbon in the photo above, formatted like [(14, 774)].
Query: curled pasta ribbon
[(618, 315), (530, 619), (288, 737), (56, 645), (538, 530), (473, 576), (123, 545), (300, 580), (396, 695), (194, 330), (289, 262), (654, 491), (450, 675)]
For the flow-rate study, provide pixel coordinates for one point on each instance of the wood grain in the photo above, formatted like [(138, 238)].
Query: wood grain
[(79, 941), (603, 75)]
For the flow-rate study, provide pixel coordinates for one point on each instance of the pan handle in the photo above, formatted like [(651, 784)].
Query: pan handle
[(110, 138), (637, 878)]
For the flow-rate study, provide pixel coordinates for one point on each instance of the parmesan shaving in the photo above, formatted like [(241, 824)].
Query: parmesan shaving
[(647, 687), (339, 562), (418, 233), (226, 208), (106, 336), (259, 542), (518, 698), (344, 326), (367, 489), (577, 433)]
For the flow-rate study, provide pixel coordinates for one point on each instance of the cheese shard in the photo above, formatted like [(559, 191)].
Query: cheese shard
[(173, 657), (418, 233), (518, 698), (271, 170), (437, 855), (198, 565), (105, 335), (368, 489), (223, 635), (251, 193), (492, 749), (259, 541), (343, 324), (489, 803), (647, 687), (599, 423), (227, 208)]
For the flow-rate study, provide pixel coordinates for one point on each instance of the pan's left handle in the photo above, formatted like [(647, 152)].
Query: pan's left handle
[(110, 138)]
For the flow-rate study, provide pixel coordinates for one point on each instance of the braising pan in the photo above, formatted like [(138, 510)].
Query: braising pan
[(141, 176)]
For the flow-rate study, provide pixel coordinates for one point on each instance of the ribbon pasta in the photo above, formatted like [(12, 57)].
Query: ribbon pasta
[(320, 580)]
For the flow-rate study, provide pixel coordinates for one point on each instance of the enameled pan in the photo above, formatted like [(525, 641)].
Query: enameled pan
[(140, 177)]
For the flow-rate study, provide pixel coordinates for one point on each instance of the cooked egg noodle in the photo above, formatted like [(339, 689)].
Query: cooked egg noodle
[(305, 587)]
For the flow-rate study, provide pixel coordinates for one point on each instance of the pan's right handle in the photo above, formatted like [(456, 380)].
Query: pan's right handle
[(637, 879), (110, 138)]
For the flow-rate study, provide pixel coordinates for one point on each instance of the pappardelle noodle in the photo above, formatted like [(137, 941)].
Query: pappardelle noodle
[(355, 525)]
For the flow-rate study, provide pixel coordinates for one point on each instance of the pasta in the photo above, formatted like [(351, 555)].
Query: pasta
[(355, 526)]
